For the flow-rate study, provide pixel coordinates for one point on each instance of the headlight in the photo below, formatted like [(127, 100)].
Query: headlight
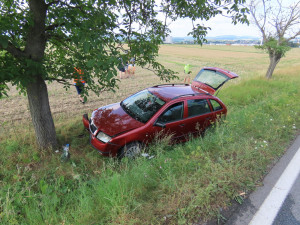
[(103, 137)]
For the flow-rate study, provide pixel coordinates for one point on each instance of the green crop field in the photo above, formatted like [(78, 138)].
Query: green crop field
[(182, 184)]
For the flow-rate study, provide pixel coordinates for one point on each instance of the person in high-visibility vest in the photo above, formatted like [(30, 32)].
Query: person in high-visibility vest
[(187, 71), (79, 82)]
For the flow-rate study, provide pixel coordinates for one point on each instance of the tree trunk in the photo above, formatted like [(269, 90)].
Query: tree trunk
[(40, 113), (37, 89), (274, 60)]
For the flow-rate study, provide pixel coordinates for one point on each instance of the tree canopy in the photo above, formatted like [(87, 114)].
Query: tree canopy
[(43, 40)]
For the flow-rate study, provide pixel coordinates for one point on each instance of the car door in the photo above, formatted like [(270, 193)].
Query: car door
[(171, 121), (199, 115)]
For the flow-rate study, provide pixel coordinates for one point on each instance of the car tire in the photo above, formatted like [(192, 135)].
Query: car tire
[(130, 150)]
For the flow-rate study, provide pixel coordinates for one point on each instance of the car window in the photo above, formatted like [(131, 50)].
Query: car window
[(197, 107), (211, 78), (216, 105), (173, 113)]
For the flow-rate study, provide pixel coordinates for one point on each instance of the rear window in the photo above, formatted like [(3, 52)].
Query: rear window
[(216, 105), (197, 107), (211, 78)]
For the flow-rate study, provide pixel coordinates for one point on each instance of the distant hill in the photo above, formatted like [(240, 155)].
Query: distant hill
[(233, 37), (181, 39), (222, 37)]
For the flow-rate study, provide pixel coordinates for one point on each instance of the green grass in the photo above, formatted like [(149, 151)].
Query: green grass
[(182, 184)]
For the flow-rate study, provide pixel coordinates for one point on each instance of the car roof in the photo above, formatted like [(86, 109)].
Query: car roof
[(167, 92)]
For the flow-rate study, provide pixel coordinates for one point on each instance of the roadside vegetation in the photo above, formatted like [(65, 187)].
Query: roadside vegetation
[(181, 184)]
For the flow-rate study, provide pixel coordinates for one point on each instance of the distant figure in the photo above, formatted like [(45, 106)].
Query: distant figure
[(131, 66), (121, 68), (187, 71), (79, 82)]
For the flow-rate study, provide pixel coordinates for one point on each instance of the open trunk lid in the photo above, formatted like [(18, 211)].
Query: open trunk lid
[(210, 79)]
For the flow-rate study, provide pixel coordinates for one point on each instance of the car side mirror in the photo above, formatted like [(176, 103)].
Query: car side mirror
[(158, 124)]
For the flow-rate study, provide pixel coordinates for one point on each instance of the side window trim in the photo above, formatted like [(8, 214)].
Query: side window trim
[(199, 115)]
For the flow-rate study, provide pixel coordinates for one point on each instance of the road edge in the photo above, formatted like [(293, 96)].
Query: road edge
[(244, 213)]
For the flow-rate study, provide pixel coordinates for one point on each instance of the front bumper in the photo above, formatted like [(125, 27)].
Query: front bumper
[(107, 149)]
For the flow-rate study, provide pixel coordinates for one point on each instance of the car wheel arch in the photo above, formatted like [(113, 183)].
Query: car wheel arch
[(121, 151)]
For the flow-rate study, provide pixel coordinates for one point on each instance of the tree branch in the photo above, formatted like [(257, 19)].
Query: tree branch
[(165, 22), (59, 38), (61, 81), (53, 26), (16, 52), (130, 23), (253, 13), (52, 3), (294, 36), (294, 16), (278, 23)]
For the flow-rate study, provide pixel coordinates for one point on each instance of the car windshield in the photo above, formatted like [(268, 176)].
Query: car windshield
[(211, 78), (142, 105)]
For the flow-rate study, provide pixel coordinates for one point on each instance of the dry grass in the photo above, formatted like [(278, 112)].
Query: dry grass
[(182, 184), (251, 62)]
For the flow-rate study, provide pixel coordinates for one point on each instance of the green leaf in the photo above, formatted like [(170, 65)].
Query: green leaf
[(86, 47), (3, 42), (90, 63)]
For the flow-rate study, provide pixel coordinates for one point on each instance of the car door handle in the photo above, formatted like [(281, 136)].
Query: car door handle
[(182, 125)]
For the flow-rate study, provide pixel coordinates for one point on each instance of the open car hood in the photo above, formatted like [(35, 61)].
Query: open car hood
[(210, 79)]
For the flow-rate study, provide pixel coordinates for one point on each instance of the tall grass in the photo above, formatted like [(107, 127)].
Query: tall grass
[(182, 184)]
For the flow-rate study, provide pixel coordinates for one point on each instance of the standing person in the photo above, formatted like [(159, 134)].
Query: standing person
[(79, 83), (187, 71), (131, 66), (121, 68)]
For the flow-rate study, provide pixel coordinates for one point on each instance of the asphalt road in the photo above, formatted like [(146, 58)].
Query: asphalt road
[(277, 202), (289, 213)]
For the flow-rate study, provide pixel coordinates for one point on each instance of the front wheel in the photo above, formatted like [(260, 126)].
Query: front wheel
[(130, 151)]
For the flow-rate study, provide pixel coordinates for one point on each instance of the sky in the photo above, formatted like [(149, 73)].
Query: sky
[(221, 25)]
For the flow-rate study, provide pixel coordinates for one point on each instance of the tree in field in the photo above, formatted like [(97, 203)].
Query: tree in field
[(278, 25), (43, 40)]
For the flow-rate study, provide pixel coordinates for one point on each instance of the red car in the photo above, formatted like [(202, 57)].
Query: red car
[(120, 129)]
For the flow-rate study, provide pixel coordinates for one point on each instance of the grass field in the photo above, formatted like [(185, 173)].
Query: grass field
[(242, 60), (187, 183)]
